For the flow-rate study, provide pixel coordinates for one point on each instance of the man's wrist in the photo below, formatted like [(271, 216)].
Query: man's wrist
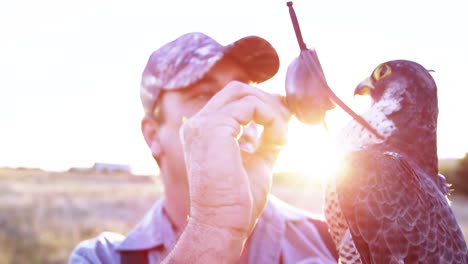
[(203, 243)]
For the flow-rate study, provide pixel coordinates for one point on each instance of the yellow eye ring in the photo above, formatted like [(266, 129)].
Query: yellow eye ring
[(382, 71)]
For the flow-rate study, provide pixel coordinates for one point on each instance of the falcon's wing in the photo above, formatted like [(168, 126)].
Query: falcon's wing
[(395, 211)]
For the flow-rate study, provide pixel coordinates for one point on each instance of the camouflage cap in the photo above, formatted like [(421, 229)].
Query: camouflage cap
[(185, 60)]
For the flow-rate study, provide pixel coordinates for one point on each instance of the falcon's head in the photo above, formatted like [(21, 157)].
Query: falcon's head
[(404, 107), (398, 80)]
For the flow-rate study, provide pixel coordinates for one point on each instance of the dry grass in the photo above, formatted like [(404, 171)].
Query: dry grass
[(44, 215)]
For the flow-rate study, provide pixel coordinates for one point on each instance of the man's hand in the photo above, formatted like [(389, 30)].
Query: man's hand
[(228, 185)]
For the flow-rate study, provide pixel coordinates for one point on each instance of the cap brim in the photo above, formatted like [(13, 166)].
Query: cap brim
[(256, 55)]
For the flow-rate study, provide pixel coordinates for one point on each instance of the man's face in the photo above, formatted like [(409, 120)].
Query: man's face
[(184, 103)]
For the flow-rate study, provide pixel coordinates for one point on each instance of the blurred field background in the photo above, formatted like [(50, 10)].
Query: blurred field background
[(43, 215)]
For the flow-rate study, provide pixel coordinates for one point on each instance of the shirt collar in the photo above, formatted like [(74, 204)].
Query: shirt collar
[(153, 231), (156, 230)]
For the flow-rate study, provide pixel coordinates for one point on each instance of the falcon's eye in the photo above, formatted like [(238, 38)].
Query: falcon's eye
[(382, 71)]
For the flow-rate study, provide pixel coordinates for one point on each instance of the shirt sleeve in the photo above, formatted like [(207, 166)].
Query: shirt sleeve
[(303, 244), (97, 250)]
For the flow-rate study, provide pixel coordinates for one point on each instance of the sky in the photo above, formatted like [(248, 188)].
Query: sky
[(70, 70)]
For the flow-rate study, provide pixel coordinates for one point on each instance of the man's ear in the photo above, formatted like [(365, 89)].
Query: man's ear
[(149, 128)]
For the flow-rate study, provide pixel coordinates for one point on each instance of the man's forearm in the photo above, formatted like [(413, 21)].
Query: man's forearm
[(200, 243)]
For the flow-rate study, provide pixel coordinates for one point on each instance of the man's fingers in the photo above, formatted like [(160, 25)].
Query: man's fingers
[(236, 90), (270, 116), (233, 91), (239, 104)]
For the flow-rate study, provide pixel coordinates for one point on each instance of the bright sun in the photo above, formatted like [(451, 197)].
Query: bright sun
[(313, 151), (310, 151)]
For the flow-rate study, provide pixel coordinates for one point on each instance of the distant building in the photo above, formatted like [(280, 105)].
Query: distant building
[(109, 167)]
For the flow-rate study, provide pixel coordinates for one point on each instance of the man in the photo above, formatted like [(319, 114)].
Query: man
[(200, 125)]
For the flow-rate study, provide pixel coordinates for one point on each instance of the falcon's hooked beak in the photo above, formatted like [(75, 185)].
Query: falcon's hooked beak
[(364, 88)]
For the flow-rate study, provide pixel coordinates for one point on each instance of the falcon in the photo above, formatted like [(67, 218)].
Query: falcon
[(388, 203)]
